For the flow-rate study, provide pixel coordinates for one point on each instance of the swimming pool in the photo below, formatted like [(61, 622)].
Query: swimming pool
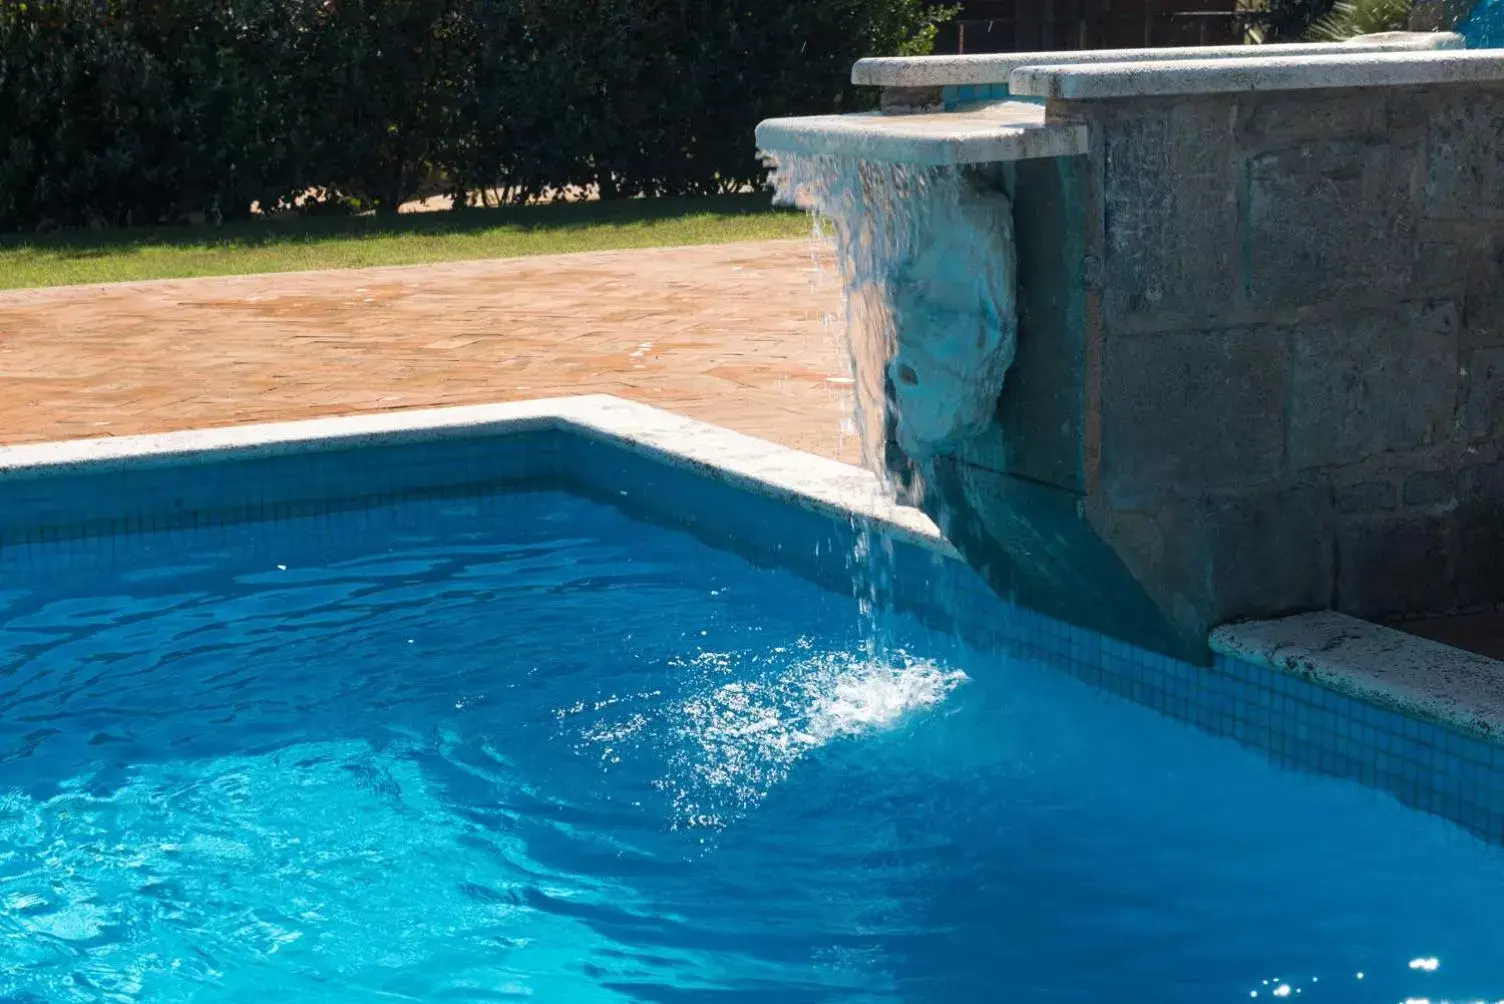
[(469, 747), (572, 700)]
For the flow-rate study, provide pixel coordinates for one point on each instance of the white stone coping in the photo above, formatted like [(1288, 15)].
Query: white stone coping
[(999, 131), (1380, 665), (803, 479), (946, 71), (1219, 76)]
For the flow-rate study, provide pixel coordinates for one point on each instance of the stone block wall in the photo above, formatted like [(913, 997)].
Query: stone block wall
[(1289, 349)]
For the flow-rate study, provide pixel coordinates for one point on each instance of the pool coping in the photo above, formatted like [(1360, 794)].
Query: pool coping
[(803, 479), (989, 133), (1379, 665), (1415, 676), (997, 68), (1343, 68)]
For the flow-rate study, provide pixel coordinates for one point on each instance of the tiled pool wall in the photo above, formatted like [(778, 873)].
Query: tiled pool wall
[(83, 521), (1298, 724), (96, 518), (954, 96)]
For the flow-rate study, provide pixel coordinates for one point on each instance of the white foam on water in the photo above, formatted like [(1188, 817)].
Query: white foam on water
[(744, 736), (872, 697)]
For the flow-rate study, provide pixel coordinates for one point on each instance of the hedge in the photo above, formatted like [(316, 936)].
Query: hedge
[(118, 112)]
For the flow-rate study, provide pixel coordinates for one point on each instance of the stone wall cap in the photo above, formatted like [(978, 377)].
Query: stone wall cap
[(943, 71), (1344, 68), (989, 133), (1378, 665)]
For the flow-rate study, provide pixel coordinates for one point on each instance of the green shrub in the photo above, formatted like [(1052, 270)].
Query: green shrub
[(1351, 18), (1281, 20), (140, 111)]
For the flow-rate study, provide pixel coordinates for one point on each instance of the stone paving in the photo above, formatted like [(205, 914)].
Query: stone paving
[(740, 335)]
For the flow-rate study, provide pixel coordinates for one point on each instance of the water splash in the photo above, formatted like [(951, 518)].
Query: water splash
[(741, 721), (744, 736)]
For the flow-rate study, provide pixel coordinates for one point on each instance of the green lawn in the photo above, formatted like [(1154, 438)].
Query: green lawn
[(291, 245)]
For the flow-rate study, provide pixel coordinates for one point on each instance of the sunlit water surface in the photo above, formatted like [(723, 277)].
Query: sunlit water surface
[(477, 749)]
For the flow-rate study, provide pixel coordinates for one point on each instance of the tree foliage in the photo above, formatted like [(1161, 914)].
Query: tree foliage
[(1351, 18), (1281, 20), (115, 112)]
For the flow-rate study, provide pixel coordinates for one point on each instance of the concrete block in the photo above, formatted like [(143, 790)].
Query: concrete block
[(1367, 496), (1481, 482), (1483, 311), (1186, 411), (1429, 487), (1485, 394), (1396, 565), (1330, 219), (1465, 176), (1483, 308), (1480, 536), (1479, 573), (1276, 120), (1269, 551), (1381, 380), (1169, 208), (1217, 558), (1441, 266), (1464, 261)]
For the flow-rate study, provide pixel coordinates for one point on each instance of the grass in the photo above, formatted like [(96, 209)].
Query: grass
[(351, 242)]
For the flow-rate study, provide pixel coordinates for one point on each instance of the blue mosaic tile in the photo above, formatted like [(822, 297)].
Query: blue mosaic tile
[(84, 521)]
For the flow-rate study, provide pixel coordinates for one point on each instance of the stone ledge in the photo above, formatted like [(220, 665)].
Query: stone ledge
[(1377, 664), (803, 479), (1001, 131), (1343, 68), (945, 71)]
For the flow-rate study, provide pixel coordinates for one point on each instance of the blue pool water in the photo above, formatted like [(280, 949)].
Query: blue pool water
[(1484, 25), (476, 749)]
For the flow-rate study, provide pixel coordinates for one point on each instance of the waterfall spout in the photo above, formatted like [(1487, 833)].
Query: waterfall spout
[(930, 271), (1172, 339)]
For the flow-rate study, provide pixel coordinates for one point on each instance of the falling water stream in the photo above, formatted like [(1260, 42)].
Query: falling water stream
[(873, 227), (926, 260), (927, 264)]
